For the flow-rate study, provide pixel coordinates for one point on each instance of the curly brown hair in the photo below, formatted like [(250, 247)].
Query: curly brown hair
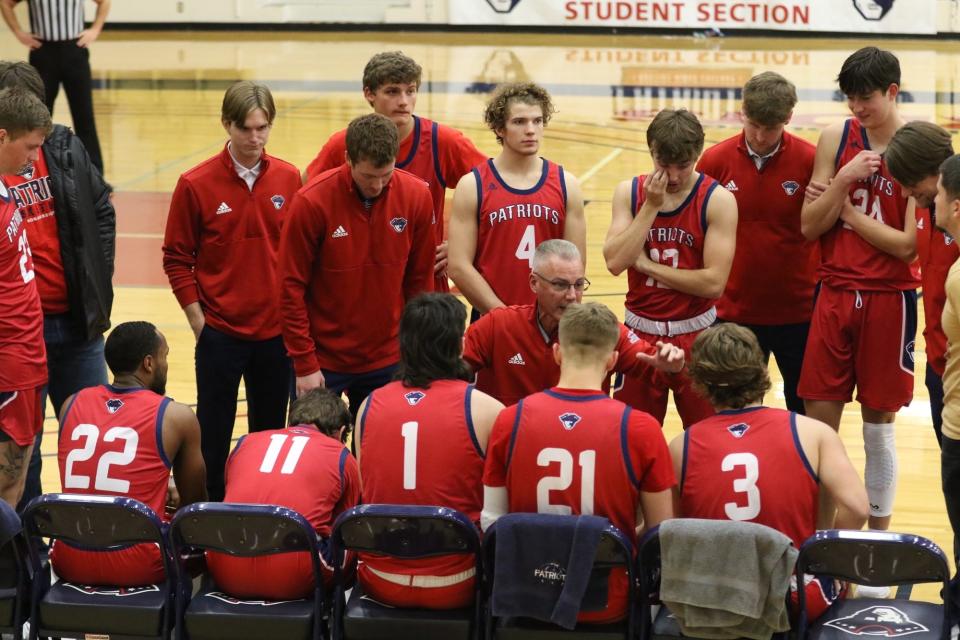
[(728, 368), (498, 108), (390, 67)]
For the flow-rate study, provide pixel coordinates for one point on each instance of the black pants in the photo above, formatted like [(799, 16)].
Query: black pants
[(358, 386), (221, 361), (950, 481), (787, 343), (63, 62), (934, 384)]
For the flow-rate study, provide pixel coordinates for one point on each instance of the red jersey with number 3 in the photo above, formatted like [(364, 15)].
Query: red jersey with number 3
[(511, 223), (748, 465), (111, 443), (849, 261), (675, 239), (418, 447), (23, 355)]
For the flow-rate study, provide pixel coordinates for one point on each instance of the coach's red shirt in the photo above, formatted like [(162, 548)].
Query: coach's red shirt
[(31, 193), (774, 268), (938, 252), (346, 271), (23, 355), (220, 247), (513, 355)]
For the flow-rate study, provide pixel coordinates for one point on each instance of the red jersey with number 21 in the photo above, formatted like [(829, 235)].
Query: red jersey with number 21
[(511, 223), (675, 239)]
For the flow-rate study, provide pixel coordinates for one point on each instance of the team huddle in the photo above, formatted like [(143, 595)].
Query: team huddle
[(337, 282)]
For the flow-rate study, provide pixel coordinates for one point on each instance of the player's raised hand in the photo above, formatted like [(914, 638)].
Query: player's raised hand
[(668, 357), (864, 164), (655, 187)]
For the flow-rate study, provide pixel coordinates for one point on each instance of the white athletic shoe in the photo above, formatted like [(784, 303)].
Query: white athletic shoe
[(863, 591)]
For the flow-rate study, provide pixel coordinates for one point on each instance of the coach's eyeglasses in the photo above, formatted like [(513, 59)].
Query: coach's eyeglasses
[(562, 286)]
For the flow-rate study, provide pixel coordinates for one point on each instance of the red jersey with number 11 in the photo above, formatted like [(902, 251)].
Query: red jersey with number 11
[(511, 223)]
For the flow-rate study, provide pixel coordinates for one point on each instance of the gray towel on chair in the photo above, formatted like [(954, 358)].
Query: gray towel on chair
[(724, 579)]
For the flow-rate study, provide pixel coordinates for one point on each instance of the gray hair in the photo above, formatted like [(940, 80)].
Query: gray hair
[(562, 249)]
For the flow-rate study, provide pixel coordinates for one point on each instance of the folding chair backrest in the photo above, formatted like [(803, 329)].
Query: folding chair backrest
[(93, 522), (405, 531), (875, 558), (242, 529)]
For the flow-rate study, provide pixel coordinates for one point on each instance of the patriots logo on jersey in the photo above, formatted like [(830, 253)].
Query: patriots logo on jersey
[(738, 430), (414, 397), (947, 239), (569, 420), (790, 187), (881, 620), (27, 172), (114, 404), (111, 591), (277, 201), (399, 224), (873, 9)]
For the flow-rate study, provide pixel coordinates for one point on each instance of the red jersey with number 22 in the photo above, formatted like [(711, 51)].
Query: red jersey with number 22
[(675, 239), (849, 261), (511, 223)]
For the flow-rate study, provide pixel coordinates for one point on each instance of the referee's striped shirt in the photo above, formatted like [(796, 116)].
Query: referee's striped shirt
[(56, 19)]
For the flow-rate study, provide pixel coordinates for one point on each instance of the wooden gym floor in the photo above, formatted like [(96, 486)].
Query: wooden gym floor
[(157, 98)]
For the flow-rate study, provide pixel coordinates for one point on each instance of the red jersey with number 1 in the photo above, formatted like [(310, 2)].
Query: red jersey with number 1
[(748, 465), (23, 355), (849, 261), (511, 223), (111, 443), (675, 239)]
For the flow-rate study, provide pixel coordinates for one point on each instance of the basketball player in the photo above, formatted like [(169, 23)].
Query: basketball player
[(358, 244), (622, 453), (864, 318), (913, 157), (223, 229), (674, 232), (438, 154), (755, 463), (511, 348), (24, 122), (304, 467), (421, 441), (948, 219), (123, 439), (766, 169), (508, 205)]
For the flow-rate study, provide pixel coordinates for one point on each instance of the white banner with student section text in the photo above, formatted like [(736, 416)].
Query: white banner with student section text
[(846, 16)]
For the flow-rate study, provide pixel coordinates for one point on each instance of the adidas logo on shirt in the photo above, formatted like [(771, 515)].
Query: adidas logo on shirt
[(223, 208), (731, 186), (340, 233), (516, 359)]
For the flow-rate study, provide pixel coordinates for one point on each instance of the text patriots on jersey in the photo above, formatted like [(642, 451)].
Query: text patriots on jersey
[(670, 234), (524, 210)]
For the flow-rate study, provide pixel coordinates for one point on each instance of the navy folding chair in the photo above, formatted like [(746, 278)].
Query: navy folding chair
[(614, 551), (100, 523), (407, 532), (875, 558), (245, 530), (14, 575)]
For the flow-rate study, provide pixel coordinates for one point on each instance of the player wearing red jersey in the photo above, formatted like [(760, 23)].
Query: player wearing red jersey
[(123, 439), (511, 348), (24, 122), (304, 467), (597, 455), (430, 414), (754, 463), (223, 228), (358, 245), (674, 232), (507, 206), (766, 169), (438, 154), (864, 319), (913, 157)]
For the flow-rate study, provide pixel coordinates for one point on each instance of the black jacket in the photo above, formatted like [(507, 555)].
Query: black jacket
[(86, 224)]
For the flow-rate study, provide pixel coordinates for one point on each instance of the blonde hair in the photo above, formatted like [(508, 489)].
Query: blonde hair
[(589, 332)]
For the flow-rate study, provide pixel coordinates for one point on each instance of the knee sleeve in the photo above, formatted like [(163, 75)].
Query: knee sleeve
[(880, 469)]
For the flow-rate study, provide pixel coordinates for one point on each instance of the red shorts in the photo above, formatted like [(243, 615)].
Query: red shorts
[(135, 566), (861, 339), (444, 582), (21, 415), (648, 390), (279, 576)]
